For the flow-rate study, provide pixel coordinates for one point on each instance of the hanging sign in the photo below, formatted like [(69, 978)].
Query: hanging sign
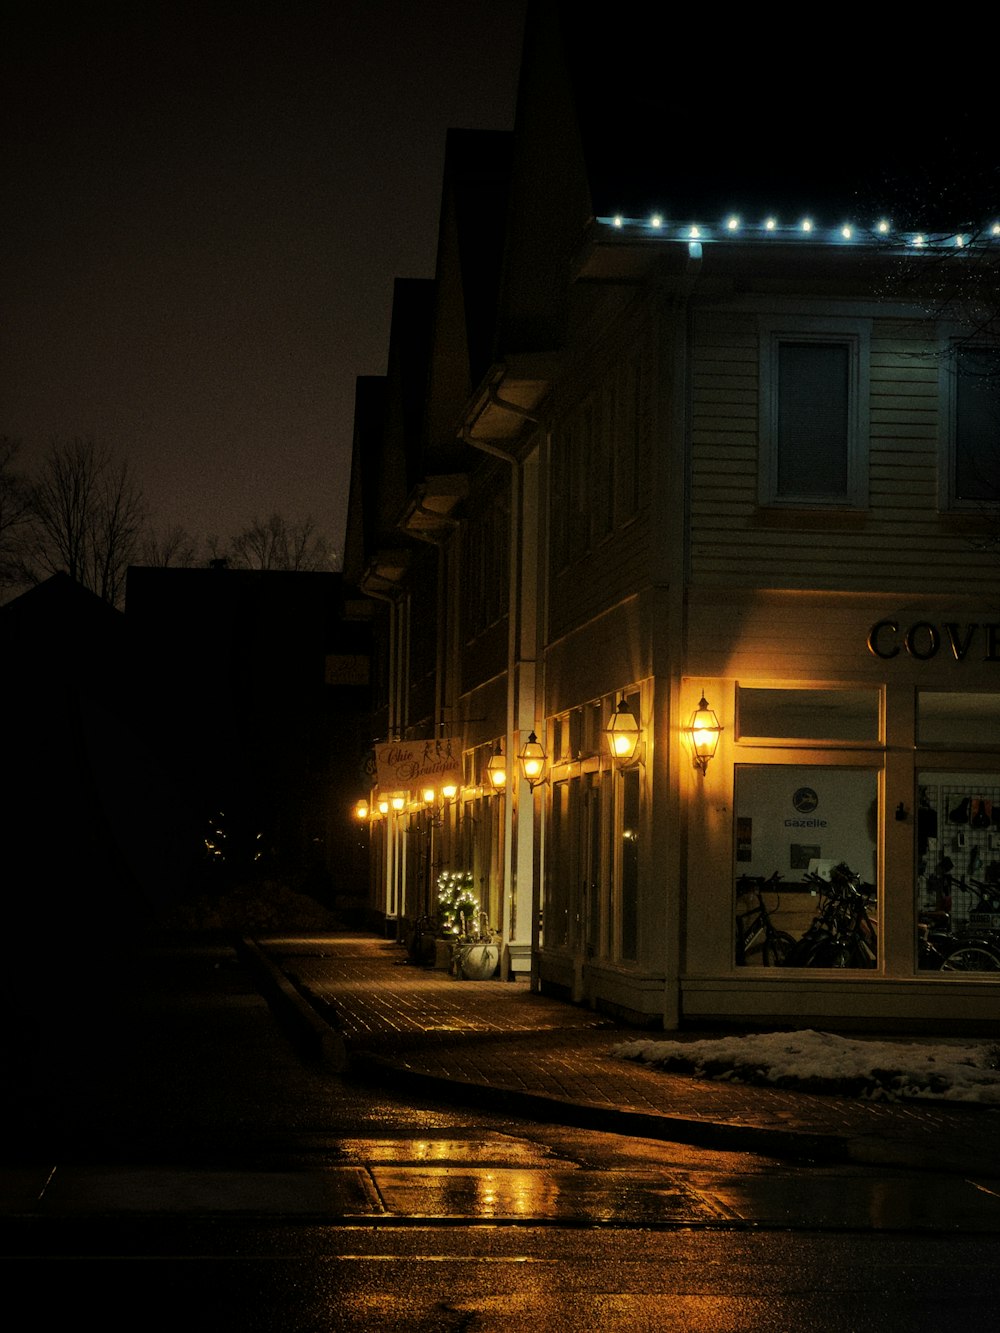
[(410, 765)]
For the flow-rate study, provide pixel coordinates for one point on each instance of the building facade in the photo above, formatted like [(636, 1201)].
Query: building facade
[(736, 467)]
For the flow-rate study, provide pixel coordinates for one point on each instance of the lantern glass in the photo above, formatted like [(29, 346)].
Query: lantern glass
[(622, 732), (532, 759), (705, 730)]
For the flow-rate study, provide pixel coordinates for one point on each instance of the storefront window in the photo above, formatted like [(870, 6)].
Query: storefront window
[(806, 840), (958, 871), (630, 864), (809, 715), (944, 718)]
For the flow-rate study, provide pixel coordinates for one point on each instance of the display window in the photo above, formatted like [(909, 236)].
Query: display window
[(806, 871), (958, 872)]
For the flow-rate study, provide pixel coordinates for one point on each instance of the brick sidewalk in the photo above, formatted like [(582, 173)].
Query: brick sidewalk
[(501, 1045)]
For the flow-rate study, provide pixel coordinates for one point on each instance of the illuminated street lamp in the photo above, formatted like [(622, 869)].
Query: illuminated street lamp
[(532, 759), (703, 731), (623, 733), (496, 769)]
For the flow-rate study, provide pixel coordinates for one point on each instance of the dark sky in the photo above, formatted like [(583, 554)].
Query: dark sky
[(205, 206)]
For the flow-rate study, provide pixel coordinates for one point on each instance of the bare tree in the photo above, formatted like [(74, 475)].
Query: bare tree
[(15, 514), (172, 548), (87, 515), (277, 544)]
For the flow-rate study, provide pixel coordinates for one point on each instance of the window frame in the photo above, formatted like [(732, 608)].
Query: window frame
[(746, 737), (954, 342), (855, 336)]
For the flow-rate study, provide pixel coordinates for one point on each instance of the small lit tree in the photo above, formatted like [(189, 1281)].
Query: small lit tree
[(457, 902)]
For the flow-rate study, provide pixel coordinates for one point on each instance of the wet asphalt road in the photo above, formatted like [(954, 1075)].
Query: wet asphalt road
[(175, 1149)]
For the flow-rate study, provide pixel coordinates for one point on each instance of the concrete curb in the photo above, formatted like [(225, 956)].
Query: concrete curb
[(795, 1144), (312, 1034), (310, 1021)]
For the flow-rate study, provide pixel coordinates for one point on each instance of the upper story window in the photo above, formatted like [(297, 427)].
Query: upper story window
[(974, 454), (600, 456), (486, 563), (814, 413)]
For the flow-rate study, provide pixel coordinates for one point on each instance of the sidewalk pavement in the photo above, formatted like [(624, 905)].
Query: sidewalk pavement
[(357, 1002)]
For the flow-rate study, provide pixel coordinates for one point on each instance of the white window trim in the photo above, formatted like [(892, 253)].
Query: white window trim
[(951, 340), (855, 334)]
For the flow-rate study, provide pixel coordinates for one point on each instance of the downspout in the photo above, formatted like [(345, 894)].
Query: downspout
[(441, 660), (496, 449), (391, 895), (676, 815)]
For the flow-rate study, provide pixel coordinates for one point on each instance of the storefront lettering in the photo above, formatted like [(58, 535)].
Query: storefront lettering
[(923, 640), (805, 823)]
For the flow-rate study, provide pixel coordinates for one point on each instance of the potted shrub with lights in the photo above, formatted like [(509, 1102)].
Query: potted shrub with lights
[(457, 907), (467, 946)]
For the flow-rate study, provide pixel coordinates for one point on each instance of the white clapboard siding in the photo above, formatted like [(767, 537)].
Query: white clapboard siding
[(899, 540)]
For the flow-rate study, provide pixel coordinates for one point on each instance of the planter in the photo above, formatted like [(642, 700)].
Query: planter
[(443, 953), (478, 962)]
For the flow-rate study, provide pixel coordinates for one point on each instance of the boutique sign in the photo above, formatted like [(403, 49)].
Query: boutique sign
[(977, 641), (410, 765)]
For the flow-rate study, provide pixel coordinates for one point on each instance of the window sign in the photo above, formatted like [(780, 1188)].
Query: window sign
[(806, 867)]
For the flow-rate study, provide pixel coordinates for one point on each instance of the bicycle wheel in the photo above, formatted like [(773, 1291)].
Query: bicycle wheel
[(776, 948), (972, 958)]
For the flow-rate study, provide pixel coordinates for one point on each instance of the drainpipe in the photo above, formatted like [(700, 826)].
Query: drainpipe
[(443, 666), (392, 886), (496, 448)]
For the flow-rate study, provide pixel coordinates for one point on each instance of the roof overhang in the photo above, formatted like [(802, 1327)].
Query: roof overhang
[(429, 511), (506, 405), (618, 249), (385, 572)]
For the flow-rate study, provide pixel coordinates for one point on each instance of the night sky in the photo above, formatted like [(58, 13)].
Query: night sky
[(206, 204), (205, 208)]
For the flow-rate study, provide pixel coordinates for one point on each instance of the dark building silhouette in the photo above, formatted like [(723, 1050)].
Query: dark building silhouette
[(257, 681)]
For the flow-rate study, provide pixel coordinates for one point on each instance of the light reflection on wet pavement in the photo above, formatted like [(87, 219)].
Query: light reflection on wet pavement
[(511, 1181)]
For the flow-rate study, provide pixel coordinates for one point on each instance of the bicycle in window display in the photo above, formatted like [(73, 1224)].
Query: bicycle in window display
[(976, 947), (756, 933), (842, 934)]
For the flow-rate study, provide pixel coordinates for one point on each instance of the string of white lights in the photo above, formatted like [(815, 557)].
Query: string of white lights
[(806, 228)]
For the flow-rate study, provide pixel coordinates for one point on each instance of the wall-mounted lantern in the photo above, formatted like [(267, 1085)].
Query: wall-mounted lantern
[(496, 769), (361, 809), (435, 802), (532, 759), (623, 733), (703, 732), (383, 805), (398, 801)]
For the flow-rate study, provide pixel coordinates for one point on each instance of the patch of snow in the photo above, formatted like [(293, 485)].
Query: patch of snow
[(960, 1071)]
